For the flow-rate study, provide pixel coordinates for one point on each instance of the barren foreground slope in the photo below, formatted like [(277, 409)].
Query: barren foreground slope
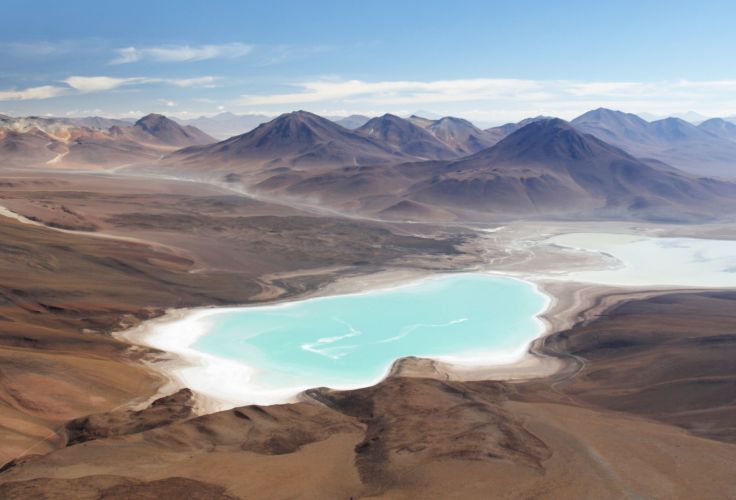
[(643, 408), (412, 437)]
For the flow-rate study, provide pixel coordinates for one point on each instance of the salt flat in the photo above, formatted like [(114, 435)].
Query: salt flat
[(635, 260)]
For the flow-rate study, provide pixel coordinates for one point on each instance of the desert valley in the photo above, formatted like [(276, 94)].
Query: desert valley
[(95, 251), (275, 285)]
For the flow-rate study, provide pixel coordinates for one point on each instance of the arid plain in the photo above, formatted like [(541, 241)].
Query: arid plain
[(630, 393)]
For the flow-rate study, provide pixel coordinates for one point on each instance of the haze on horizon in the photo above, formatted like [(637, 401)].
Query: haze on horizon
[(503, 63)]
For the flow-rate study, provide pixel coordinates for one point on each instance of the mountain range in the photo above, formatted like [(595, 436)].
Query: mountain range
[(396, 168), (603, 163), (225, 125), (694, 149), (92, 142), (352, 122), (298, 139), (458, 134)]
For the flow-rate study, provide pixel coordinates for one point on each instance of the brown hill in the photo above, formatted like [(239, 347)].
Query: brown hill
[(671, 140), (720, 127), (460, 135), (407, 138), (60, 142), (292, 139), (161, 130), (549, 167)]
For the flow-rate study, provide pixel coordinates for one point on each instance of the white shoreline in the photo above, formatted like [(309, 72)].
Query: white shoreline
[(204, 373), (178, 329)]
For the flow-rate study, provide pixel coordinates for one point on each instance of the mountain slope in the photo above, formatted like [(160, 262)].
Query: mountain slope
[(164, 131), (549, 167), (545, 169), (720, 127), (353, 121), (292, 139), (406, 138), (670, 140), (28, 147), (62, 142), (458, 134)]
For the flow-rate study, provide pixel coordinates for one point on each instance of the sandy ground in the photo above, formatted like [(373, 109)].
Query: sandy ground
[(582, 419)]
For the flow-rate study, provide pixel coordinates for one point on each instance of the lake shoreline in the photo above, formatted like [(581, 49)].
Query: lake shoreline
[(183, 366), (569, 302)]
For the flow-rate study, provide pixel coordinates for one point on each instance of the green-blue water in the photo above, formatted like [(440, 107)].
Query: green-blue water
[(352, 340)]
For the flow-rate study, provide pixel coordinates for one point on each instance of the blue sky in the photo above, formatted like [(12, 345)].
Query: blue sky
[(485, 60)]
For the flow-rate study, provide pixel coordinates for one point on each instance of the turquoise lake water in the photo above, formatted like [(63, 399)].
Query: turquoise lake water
[(352, 340)]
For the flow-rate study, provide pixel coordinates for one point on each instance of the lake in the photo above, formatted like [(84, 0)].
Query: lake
[(264, 354)]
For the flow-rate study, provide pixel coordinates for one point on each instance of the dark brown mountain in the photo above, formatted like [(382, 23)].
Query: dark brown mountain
[(407, 138), (161, 130), (27, 147), (460, 135), (671, 140), (549, 167), (63, 142), (292, 139), (720, 127), (545, 169)]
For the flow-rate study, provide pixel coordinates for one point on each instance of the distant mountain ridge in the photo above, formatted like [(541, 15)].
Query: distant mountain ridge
[(546, 168), (406, 138), (352, 122), (550, 167), (720, 127), (603, 164), (299, 138), (670, 140), (458, 134), (226, 125), (66, 142)]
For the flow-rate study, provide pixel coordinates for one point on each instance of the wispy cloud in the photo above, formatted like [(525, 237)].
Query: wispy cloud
[(43, 92), (90, 84), (200, 81), (181, 53), (503, 98), (393, 92), (46, 48), (102, 83), (276, 54)]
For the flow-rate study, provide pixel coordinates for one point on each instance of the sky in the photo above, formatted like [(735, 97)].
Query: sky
[(488, 61)]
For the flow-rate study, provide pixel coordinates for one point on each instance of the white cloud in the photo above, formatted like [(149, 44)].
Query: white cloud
[(202, 81), (181, 53), (502, 99), (45, 48), (89, 84), (44, 92), (394, 92), (100, 83)]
